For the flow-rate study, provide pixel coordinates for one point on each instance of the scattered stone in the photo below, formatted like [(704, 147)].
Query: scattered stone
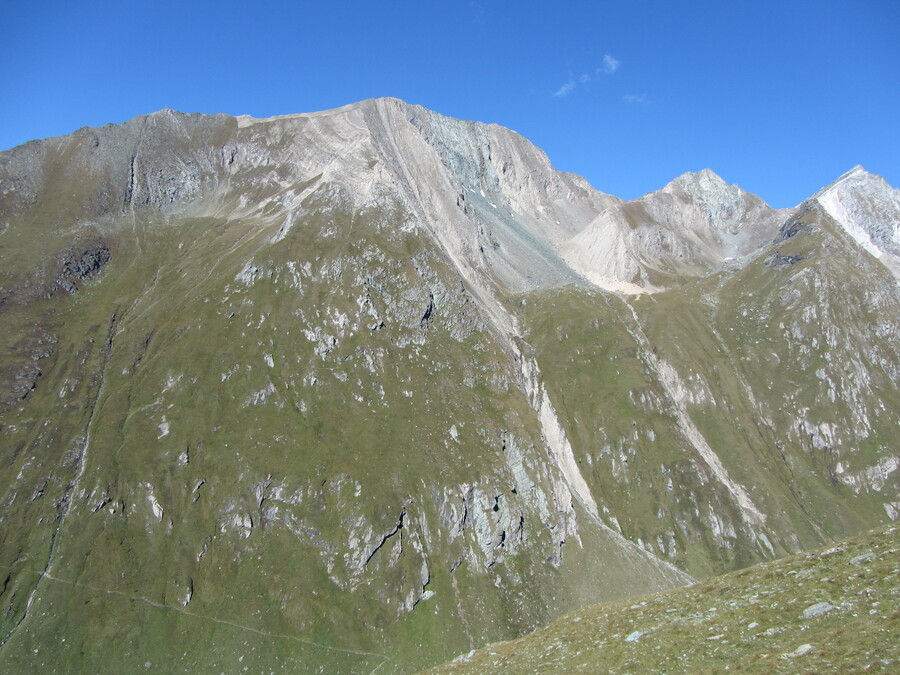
[(817, 609), (635, 636), (868, 556), (462, 658), (802, 650)]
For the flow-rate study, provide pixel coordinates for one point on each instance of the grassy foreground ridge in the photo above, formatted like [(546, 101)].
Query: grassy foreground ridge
[(832, 610)]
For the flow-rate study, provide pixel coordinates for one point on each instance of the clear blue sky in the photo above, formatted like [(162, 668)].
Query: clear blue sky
[(779, 97)]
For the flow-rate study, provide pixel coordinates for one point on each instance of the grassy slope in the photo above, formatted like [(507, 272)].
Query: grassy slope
[(118, 562), (749, 621)]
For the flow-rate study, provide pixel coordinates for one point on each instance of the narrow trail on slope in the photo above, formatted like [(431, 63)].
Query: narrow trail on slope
[(224, 622)]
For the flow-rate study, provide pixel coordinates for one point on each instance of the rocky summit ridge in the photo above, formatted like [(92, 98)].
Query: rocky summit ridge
[(370, 387)]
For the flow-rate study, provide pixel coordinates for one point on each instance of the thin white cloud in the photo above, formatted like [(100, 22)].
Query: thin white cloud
[(635, 98), (566, 89), (610, 64)]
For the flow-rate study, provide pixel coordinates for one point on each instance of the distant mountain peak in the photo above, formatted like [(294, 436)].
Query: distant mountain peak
[(856, 172), (704, 185), (706, 175), (855, 179), (868, 209)]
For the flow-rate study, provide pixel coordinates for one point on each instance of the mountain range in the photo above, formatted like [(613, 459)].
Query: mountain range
[(368, 388)]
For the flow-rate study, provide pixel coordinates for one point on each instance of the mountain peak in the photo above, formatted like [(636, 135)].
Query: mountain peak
[(701, 176), (868, 209), (704, 186), (705, 174), (856, 176), (858, 170)]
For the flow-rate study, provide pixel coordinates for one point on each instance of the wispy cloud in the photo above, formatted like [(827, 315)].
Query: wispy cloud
[(566, 88), (608, 66), (635, 98)]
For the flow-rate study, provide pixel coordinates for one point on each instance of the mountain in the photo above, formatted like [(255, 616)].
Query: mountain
[(372, 387)]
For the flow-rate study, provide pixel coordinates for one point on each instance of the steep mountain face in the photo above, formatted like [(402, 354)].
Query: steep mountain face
[(372, 387)]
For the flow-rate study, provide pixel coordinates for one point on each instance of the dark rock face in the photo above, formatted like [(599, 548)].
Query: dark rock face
[(19, 376), (796, 224), (79, 263), (779, 261)]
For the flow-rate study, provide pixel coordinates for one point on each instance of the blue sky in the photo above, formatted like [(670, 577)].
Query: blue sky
[(779, 97)]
